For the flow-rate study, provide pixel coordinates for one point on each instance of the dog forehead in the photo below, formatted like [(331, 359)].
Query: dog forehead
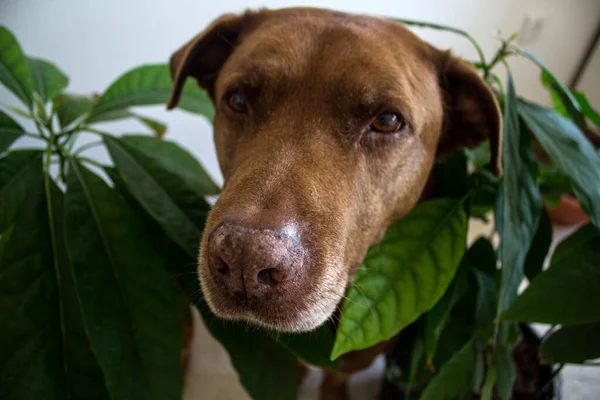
[(323, 46)]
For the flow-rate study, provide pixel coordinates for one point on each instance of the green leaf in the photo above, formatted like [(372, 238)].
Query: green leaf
[(155, 179), (455, 377), (501, 375), (557, 103), (114, 115), (572, 152), (9, 131), (552, 181), (506, 374), (129, 307), (312, 347), (479, 370), (567, 292), (521, 201), (157, 127), (175, 159), (534, 262), (460, 327), (19, 172), (573, 344), (481, 255), (147, 85), (480, 156), (485, 185), (417, 354), (403, 276), (451, 176), (488, 385), (15, 73), (40, 109), (558, 89), (587, 109), (48, 80), (436, 319), (18, 111), (267, 370), (71, 107), (44, 352), (487, 303)]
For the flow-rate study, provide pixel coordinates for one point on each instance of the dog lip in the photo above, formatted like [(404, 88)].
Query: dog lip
[(271, 313), (279, 321)]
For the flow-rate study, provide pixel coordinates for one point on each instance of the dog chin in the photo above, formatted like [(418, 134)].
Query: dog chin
[(297, 324), (291, 322), (296, 320)]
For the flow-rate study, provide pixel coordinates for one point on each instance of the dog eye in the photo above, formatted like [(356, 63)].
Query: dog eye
[(386, 122), (237, 102)]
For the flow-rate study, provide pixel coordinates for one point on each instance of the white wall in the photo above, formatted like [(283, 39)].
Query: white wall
[(589, 82), (94, 41)]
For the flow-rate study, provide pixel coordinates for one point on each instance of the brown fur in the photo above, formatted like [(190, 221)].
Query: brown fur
[(303, 156)]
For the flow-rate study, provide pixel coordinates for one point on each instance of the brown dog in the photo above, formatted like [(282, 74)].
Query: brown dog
[(327, 127)]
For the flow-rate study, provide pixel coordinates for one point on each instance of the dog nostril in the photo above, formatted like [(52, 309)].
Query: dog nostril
[(222, 267), (269, 276), (240, 297)]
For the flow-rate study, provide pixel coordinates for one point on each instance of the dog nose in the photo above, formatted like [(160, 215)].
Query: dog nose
[(249, 263)]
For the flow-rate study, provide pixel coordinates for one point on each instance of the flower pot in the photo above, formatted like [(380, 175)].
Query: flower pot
[(568, 212), (534, 380)]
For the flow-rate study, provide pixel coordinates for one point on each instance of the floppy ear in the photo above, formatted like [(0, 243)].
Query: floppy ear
[(203, 57), (471, 112)]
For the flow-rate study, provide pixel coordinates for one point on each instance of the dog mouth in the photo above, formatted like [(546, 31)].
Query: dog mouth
[(278, 319), (297, 309)]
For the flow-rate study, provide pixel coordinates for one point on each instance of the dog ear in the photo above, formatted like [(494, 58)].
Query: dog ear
[(471, 112), (203, 57)]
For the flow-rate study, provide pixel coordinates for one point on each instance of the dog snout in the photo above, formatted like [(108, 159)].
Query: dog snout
[(250, 264)]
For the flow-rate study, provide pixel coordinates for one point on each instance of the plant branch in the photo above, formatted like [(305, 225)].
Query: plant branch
[(548, 332), (500, 57), (96, 131), (40, 129), (71, 140), (36, 136), (493, 78), (449, 29), (554, 374), (87, 146), (90, 161)]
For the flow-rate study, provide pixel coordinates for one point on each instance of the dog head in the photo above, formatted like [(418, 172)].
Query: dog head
[(327, 127)]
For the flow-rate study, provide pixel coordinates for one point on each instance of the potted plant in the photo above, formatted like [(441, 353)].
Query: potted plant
[(97, 262), (559, 200)]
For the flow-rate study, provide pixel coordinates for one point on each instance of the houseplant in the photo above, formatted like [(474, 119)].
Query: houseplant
[(97, 262), (562, 206)]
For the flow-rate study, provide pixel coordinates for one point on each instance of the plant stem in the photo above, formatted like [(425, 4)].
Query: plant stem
[(90, 161), (494, 79), (40, 129), (71, 140), (548, 332), (36, 136), (554, 374), (449, 29), (96, 131), (18, 111), (500, 54), (88, 146)]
